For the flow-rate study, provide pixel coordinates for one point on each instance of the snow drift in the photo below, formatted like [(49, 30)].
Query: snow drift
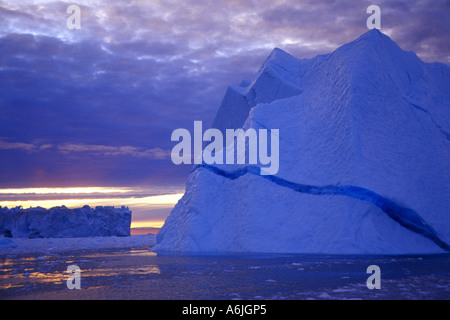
[(61, 222), (367, 125)]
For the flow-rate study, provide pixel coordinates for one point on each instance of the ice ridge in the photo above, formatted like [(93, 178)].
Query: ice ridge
[(406, 217)]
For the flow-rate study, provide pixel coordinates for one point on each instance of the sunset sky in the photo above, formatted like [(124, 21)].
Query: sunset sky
[(96, 107)]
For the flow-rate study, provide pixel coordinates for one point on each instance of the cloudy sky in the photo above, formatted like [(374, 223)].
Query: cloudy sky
[(97, 106)]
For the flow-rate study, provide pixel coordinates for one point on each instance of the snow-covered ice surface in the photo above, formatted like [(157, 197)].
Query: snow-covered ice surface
[(126, 269), (48, 245), (368, 117)]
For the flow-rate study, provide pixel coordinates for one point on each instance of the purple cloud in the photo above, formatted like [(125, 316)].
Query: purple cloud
[(98, 105)]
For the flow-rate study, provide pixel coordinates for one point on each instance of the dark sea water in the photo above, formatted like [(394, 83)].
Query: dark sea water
[(142, 274)]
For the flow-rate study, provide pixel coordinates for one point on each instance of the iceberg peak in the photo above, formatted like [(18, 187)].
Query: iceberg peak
[(363, 159), (278, 53)]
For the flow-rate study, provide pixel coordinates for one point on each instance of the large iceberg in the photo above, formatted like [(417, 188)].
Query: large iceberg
[(364, 162), (61, 222)]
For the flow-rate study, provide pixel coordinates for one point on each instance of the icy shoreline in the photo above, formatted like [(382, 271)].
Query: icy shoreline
[(49, 245)]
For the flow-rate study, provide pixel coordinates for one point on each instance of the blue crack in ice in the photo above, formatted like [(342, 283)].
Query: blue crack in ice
[(406, 217)]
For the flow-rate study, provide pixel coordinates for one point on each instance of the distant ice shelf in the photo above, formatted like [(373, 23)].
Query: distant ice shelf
[(62, 222)]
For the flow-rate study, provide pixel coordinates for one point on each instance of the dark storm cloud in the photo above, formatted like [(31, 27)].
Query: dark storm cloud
[(98, 105)]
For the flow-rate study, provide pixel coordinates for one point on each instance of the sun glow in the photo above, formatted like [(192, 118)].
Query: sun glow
[(148, 210), (74, 190), (161, 200), (147, 224)]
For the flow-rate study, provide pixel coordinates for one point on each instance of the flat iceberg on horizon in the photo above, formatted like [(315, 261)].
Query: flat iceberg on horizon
[(62, 222)]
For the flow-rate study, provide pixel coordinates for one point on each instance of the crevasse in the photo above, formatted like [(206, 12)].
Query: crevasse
[(406, 217)]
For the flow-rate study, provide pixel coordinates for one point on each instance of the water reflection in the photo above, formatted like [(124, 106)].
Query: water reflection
[(142, 274), (23, 272)]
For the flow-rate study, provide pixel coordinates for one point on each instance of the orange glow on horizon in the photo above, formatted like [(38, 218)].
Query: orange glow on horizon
[(161, 200), (116, 197), (71, 190), (147, 224)]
